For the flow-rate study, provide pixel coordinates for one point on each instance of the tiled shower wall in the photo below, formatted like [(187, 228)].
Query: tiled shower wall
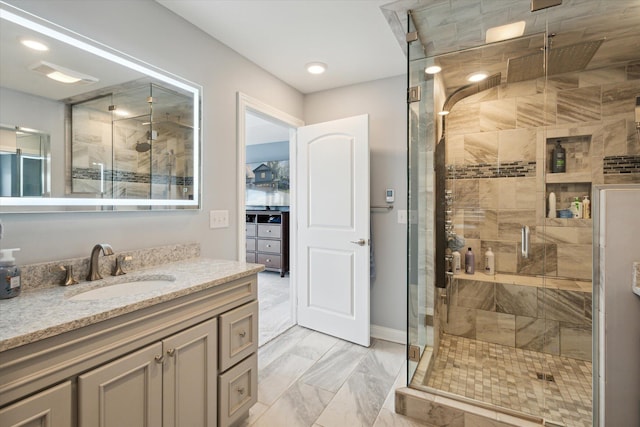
[(497, 157), (128, 172), (546, 320)]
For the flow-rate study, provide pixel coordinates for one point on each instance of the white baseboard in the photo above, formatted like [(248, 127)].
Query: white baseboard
[(388, 334)]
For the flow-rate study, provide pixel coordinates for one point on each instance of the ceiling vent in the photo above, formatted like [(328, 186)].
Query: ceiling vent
[(62, 74)]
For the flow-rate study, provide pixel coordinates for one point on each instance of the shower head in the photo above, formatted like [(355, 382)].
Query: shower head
[(143, 147), (561, 60)]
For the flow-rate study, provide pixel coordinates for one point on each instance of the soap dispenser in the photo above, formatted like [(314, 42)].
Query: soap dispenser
[(9, 275)]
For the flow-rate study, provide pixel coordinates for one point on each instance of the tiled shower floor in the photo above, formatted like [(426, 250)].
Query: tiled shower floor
[(507, 377)]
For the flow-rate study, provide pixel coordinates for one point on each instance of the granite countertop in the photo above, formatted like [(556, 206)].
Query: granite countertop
[(42, 313)]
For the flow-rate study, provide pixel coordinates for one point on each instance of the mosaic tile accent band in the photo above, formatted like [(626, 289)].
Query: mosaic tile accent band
[(124, 176), (621, 164), (492, 170)]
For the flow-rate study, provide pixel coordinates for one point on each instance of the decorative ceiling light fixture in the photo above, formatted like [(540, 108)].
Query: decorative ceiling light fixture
[(505, 32), (433, 69), (61, 74), (35, 45), (316, 67), (478, 76)]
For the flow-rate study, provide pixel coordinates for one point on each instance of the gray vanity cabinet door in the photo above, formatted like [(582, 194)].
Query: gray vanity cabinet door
[(189, 379), (51, 408), (125, 392)]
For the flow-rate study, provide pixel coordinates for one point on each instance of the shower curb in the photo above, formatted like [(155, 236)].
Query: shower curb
[(442, 411)]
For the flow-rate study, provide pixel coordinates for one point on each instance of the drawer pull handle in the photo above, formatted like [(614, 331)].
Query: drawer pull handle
[(159, 358), (268, 246), (268, 260), (240, 390), (243, 334), (268, 231), (171, 352)]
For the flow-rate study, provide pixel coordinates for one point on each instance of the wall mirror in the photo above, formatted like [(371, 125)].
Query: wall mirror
[(86, 128)]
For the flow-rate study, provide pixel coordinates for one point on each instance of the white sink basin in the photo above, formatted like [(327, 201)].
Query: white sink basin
[(133, 287)]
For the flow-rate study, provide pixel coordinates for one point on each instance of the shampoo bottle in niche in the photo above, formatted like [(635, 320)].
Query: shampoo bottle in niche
[(455, 262), (558, 159), (489, 263), (552, 205), (586, 207), (469, 262), (576, 208), (9, 275)]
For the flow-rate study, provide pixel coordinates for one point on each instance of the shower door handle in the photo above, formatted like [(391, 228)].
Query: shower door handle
[(525, 241)]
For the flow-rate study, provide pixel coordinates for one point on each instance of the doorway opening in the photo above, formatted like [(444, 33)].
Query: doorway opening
[(266, 206)]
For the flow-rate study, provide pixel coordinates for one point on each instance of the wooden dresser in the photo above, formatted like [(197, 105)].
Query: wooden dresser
[(268, 239)]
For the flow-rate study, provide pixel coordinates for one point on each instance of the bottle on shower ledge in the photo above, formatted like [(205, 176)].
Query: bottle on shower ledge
[(489, 263), (455, 262), (469, 262)]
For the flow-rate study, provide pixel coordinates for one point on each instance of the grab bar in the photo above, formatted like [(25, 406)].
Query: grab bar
[(525, 241)]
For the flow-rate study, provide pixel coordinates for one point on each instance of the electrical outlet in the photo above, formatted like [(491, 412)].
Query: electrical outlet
[(218, 219)]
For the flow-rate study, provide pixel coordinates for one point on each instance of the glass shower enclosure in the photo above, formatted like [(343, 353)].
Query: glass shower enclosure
[(518, 338)]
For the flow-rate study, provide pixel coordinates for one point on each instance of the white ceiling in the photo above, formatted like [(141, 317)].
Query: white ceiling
[(352, 37)]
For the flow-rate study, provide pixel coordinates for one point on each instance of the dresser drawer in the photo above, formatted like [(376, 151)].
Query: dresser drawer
[(269, 261), (238, 334), (250, 230), (237, 390), (271, 246), (250, 245), (251, 257), (271, 231)]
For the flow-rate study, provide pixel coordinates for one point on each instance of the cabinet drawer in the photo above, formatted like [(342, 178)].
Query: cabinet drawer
[(238, 334), (251, 245), (269, 261), (272, 231), (251, 257), (237, 390), (250, 230), (271, 246)]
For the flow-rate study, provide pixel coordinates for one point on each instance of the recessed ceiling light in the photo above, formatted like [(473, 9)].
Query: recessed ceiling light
[(34, 44), (316, 67), (443, 113), (505, 32), (477, 77), (434, 69)]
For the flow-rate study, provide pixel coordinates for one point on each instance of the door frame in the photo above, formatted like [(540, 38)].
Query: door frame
[(244, 104)]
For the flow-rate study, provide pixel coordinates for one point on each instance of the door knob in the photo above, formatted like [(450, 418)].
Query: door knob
[(360, 242)]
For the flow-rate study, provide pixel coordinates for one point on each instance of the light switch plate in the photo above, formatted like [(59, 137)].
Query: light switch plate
[(402, 216), (218, 219)]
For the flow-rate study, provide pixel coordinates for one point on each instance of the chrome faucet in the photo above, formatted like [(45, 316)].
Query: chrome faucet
[(94, 266)]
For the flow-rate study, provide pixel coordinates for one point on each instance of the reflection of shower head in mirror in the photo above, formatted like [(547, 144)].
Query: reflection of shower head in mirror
[(143, 147)]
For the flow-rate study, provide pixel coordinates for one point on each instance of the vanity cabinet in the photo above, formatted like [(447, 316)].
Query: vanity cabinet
[(267, 239), (170, 383), (51, 408), (190, 361)]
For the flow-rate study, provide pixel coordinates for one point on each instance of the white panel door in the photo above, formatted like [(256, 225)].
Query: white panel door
[(333, 228)]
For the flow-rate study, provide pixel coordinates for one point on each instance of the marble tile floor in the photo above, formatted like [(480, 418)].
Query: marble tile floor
[(308, 379), (507, 377), (274, 304)]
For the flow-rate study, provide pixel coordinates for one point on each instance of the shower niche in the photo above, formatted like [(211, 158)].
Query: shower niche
[(577, 179)]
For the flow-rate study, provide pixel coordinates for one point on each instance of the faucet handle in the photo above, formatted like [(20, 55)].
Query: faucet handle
[(68, 279), (118, 271)]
